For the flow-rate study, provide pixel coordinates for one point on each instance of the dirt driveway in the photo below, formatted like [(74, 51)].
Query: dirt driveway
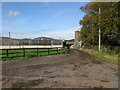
[(74, 70)]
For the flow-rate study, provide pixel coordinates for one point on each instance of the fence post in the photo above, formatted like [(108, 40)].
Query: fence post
[(37, 51), (7, 52), (68, 49), (60, 50), (48, 52), (23, 52), (64, 50), (57, 51)]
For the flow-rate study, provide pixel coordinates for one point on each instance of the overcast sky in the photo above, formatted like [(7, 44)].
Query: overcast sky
[(35, 19)]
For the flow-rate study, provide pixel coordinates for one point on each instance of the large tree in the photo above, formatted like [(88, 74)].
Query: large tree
[(109, 22)]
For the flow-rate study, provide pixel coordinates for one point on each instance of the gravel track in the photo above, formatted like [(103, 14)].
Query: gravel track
[(74, 70)]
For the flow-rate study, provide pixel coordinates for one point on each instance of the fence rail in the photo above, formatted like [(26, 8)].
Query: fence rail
[(28, 52)]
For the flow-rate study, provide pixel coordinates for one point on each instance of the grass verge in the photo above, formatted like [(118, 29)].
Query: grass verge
[(102, 55)]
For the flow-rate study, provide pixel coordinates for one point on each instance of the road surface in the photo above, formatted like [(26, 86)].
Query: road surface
[(74, 70)]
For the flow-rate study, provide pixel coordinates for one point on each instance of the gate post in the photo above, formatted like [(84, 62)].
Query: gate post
[(23, 52)]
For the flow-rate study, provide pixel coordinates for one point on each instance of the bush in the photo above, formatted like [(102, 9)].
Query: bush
[(106, 49)]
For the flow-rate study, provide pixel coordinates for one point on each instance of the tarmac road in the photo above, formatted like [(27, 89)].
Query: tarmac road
[(74, 70)]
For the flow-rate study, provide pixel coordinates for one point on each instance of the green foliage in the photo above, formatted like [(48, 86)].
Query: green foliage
[(109, 22), (72, 40)]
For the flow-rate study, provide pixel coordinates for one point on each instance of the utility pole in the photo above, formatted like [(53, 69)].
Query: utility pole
[(51, 43), (9, 40), (9, 35), (99, 32)]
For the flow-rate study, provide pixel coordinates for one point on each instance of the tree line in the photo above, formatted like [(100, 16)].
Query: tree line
[(109, 23)]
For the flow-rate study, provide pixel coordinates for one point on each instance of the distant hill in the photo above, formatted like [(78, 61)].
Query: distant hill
[(44, 38), (38, 38)]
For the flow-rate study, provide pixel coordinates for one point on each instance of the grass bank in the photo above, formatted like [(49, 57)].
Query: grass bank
[(102, 55)]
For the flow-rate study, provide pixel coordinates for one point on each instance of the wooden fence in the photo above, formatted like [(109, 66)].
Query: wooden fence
[(30, 52)]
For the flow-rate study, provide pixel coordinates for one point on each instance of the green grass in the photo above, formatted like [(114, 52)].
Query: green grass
[(32, 52), (100, 55)]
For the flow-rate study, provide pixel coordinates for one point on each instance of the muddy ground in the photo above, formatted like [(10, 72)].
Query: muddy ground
[(74, 70)]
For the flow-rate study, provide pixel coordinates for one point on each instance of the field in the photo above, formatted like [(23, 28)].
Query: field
[(7, 53)]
